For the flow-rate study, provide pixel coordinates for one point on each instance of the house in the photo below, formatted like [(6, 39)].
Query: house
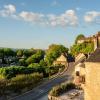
[(81, 41), (62, 59), (95, 39), (92, 76), (87, 75), (80, 57)]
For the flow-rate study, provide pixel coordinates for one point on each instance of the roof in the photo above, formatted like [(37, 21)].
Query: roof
[(66, 56), (94, 57)]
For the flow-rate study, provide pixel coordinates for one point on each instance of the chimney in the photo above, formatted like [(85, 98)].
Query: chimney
[(95, 40), (98, 36)]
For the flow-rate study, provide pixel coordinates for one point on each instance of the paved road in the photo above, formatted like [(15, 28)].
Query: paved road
[(43, 89)]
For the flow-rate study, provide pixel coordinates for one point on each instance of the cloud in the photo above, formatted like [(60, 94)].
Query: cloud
[(69, 18), (31, 16), (92, 17), (8, 10)]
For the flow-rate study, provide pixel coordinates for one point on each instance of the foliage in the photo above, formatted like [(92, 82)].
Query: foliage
[(53, 52), (37, 67), (12, 71), (20, 53), (35, 58), (22, 62), (29, 52), (63, 87), (20, 82), (54, 69), (83, 48), (6, 52), (79, 37)]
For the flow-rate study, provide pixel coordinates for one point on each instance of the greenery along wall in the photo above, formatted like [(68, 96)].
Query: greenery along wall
[(85, 47)]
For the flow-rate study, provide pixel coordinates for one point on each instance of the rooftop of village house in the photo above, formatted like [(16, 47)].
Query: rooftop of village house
[(91, 37), (94, 57)]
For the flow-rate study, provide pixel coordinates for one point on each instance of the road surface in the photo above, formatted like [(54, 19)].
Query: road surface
[(43, 89)]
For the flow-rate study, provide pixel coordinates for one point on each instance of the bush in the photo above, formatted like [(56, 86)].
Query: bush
[(24, 81), (3, 86), (59, 89), (20, 82), (12, 71)]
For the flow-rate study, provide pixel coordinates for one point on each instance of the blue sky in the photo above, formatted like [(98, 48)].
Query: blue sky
[(39, 23)]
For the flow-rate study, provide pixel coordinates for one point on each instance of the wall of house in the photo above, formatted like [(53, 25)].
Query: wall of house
[(80, 41), (92, 84), (61, 58), (81, 69)]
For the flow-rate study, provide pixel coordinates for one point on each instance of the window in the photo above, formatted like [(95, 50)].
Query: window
[(77, 73), (82, 79)]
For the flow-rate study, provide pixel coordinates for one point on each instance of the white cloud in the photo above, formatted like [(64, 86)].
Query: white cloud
[(30, 16), (92, 17), (68, 18), (8, 10)]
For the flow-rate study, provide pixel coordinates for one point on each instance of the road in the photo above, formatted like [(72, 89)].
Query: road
[(44, 88)]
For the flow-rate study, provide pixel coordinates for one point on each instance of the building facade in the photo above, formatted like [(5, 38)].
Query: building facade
[(62, 59), (88, 76)]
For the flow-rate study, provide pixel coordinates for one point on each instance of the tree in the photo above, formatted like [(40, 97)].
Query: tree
[(20, 53), (35, 58), (53, 52), (26, 53), (83, 48), (8, 52), (22, 62), (79, 37)]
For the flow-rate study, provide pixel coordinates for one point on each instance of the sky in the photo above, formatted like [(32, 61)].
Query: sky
[(39, 23)]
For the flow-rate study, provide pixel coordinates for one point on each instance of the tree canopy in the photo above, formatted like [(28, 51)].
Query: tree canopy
[(80, 36), (53, 52), (83, 48)]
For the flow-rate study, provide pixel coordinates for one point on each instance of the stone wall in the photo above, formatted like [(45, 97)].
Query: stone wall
[(92, 84)]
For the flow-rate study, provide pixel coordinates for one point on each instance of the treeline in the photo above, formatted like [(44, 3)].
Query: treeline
[(13, 71)]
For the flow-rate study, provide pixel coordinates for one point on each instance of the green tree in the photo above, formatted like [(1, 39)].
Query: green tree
[(83, 48), (20, 53), (80, 36), (22, 62), (53, 52), (8, 52), (35, 58)]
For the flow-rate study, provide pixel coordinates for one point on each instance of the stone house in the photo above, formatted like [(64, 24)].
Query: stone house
[(92, 76), (81, 56), (87, 74), (62, 59), (95, 39)]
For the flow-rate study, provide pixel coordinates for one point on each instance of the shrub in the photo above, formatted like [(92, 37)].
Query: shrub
[(20, 82), (12, 71), (3, 85), (59, 89)]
